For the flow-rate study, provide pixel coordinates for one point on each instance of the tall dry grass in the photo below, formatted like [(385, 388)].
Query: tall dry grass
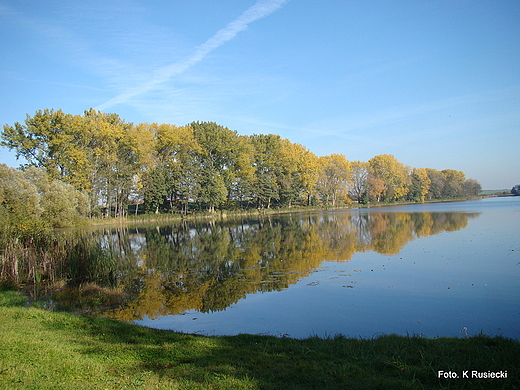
[(46, 257)]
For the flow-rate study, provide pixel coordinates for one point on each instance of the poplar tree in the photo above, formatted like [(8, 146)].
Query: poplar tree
[(393, 175), (333, 178)]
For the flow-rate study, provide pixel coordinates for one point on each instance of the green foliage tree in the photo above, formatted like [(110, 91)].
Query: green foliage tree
[(264, 186), (175, 150), (155, 188), (437, 184), (61, 203), (225, 162), (33, 199), (419, 184), (49, 139), (19, 199)]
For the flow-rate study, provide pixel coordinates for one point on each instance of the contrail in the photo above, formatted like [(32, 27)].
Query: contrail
[(259, 10)]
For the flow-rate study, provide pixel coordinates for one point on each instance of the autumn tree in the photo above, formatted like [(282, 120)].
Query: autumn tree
[(358, 185), (167, 166), (376, 188), (392, 173), (289, 180), (114, 160), (333, 177), (298, 174), (239, 182), (171, 177), (308, 172), (437, 184), (419, 184), (285, 172), (453, 183), (472, 187), (95, 152)]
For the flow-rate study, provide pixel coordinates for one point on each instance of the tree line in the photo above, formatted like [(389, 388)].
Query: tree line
[(168, 168)]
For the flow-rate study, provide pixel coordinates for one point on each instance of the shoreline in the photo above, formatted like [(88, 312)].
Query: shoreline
[(54, 349), (227, 214)]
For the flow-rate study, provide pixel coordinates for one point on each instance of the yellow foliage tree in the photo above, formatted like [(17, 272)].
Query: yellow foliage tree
[(392, 173), (419, 184), (334, 177)]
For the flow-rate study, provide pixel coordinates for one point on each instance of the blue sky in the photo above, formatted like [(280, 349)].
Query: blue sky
[(435, 83)]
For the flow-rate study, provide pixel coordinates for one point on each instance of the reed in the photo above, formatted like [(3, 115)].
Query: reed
[(46, 257)]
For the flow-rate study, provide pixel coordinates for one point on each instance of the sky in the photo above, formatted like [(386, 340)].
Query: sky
[(436, 83)]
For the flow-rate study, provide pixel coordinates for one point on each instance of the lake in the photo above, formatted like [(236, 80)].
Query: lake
[(440, 269)]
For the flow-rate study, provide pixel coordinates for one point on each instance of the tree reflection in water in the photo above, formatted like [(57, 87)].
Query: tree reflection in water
[(211, 265)]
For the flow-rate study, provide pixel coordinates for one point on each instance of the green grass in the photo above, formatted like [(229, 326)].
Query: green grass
[(50, 350)]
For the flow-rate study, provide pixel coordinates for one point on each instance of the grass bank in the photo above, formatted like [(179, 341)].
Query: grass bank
[(50, 350)]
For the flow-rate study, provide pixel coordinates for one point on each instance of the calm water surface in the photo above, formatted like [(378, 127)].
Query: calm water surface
[(444, 269)]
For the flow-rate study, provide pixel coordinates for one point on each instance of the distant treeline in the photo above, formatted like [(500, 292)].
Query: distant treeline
[(98, 164)]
